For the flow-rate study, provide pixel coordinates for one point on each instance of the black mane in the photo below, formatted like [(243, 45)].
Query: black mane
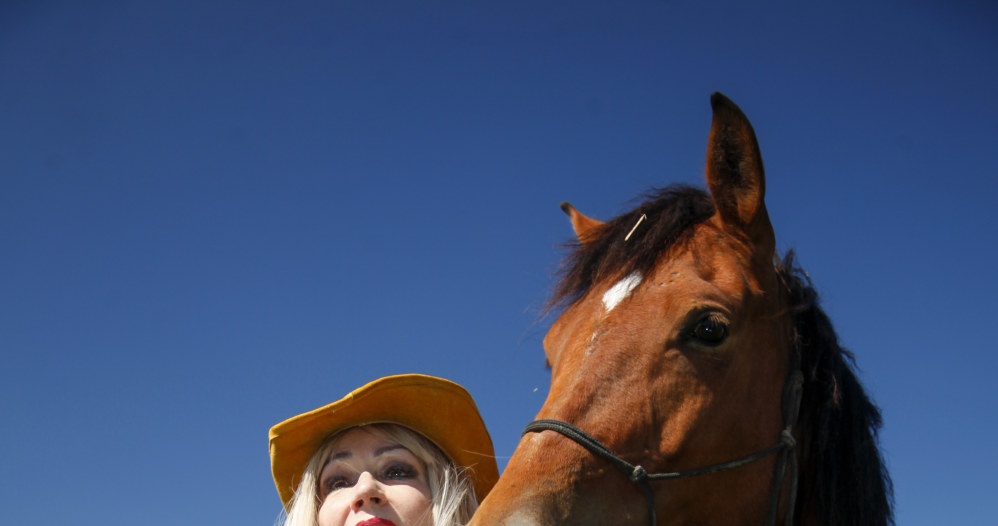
[(671, 212), (843, 480), (842, 473)]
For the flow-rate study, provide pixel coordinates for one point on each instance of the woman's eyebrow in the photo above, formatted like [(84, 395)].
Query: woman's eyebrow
[(377, 452), (340, 456), (382, 450)]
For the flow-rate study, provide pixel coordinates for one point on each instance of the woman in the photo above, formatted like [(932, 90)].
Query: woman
[(407, 450)]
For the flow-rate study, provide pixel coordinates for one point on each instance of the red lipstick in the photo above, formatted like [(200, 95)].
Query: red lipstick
[(375, 521)]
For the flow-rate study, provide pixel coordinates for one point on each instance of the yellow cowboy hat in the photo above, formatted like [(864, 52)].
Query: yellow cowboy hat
[(438, 409)]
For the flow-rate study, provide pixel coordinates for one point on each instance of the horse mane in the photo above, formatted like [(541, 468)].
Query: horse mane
[(842, 474), (843, 479), (670, 212)]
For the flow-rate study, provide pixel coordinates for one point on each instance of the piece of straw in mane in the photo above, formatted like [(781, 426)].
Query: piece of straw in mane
[(670, 211)]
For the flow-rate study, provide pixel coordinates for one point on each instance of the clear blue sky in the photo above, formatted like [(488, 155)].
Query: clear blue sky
[(216, 215)]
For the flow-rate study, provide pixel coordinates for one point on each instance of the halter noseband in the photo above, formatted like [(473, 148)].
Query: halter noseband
[(786, 445)]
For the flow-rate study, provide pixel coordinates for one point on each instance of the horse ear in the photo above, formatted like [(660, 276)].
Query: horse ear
[(585, 227), (735, 175)]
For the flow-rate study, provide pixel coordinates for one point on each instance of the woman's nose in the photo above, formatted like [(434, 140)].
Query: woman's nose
[(367, 492)]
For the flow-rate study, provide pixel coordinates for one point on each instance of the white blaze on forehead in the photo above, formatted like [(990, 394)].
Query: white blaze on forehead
[(621, 290)]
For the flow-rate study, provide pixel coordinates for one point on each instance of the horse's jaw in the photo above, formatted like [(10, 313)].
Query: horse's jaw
[(552, 496)]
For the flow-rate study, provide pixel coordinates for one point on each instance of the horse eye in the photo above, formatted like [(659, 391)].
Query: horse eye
[(710, 330)]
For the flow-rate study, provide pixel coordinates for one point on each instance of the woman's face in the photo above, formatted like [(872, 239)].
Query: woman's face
[(371, 480)]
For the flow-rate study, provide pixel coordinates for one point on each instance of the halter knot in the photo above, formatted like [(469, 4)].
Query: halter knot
[(638, 474), (787, 437)]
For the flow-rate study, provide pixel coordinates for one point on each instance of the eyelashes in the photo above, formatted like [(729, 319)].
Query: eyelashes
[(394, 472), (400, 471)]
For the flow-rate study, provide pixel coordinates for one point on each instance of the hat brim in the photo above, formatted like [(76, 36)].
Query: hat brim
[(438, 409)]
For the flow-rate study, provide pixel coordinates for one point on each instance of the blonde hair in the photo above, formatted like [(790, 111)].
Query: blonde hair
[(452, 496)]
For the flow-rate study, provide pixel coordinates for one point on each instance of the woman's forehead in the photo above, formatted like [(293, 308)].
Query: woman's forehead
[(339, 454), (364, 442)]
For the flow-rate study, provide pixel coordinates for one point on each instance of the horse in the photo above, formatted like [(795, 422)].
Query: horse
[(694, 377)]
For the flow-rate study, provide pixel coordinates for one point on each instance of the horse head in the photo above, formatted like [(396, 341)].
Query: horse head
[(673, 352)]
